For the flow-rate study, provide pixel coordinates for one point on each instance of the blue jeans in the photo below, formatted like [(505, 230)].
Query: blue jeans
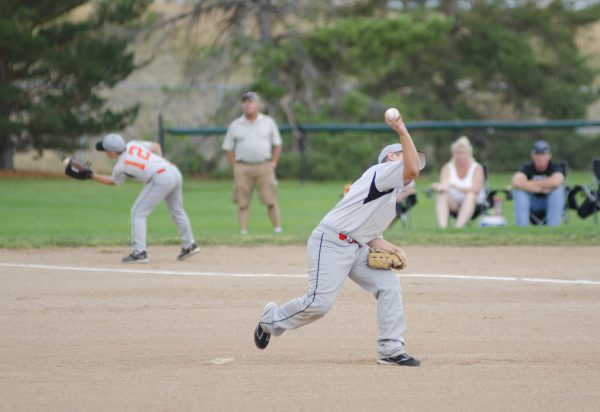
[(553, 204)]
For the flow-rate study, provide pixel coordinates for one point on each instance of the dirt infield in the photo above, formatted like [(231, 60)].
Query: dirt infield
[(79, 332)]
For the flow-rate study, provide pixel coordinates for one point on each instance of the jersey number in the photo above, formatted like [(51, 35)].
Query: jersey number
[(139, 152)]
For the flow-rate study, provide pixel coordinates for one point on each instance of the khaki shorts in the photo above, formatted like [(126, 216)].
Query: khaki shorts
[(248, 176)]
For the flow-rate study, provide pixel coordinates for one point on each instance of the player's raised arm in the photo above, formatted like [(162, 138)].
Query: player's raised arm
[(411, 157)]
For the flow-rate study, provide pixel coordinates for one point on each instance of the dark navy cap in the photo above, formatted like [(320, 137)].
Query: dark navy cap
[(541, 146)]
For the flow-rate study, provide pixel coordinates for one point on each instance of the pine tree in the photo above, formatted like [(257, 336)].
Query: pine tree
[(54, 65)]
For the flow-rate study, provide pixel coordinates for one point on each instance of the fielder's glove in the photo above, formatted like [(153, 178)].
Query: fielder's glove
[(383, 259), (78, 170)]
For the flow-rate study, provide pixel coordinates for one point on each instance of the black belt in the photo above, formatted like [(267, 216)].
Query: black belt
[(253, 163)]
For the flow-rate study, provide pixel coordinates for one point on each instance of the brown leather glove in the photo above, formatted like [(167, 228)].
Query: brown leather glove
[(384, 259)]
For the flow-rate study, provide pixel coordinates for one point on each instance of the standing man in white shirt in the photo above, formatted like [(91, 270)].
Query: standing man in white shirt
[(253, 146), (338, 248), (142, 161)]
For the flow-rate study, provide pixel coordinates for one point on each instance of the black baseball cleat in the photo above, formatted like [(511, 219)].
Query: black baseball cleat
[(261, 338), (187, 252), (141, 257), (404, 359)]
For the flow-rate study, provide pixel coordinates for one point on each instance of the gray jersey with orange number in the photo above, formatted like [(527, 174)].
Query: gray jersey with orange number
[(138, 162)]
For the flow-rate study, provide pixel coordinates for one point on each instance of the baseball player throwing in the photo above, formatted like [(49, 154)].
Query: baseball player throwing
[(339, 247), (142, 160)]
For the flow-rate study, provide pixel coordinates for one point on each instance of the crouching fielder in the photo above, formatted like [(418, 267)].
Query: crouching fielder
[(339, 246), (142, 160)]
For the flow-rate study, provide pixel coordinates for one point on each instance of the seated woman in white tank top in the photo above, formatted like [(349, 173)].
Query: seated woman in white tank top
[(461, 185)]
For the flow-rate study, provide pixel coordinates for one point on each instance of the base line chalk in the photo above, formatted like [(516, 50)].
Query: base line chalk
[(581, 282)]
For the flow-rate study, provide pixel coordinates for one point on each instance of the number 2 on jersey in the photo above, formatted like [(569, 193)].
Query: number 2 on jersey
[(141, 153)]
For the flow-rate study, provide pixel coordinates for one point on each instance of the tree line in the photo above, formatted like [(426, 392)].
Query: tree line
[(313, 62)]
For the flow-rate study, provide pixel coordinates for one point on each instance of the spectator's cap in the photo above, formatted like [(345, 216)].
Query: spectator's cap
[(541, 146), (397, 147), (111, 143), (251, 96)]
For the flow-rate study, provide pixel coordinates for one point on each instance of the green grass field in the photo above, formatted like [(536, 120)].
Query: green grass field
[(64, 212)]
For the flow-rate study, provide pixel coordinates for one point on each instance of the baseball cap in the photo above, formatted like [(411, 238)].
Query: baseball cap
[(540, 146), (251, 96), (397, 147), (111, 143)]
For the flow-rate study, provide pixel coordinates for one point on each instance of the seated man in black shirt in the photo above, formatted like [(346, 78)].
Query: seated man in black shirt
[(538, 187)]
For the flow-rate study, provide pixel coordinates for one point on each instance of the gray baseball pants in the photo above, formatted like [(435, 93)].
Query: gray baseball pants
[(330, 262), (163, 186)]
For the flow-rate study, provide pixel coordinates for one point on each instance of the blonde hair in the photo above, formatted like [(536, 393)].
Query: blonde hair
[(463, 142)]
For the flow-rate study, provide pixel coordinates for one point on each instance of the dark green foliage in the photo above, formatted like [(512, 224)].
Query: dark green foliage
[(187, 156), (528, 57), (493, 60), (444, 60), (53, 68)]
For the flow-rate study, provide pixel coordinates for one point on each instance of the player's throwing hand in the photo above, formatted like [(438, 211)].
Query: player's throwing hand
[(394, 119)]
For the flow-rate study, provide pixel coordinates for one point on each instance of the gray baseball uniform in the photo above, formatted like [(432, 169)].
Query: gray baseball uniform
[(163, 182), (337, 249)]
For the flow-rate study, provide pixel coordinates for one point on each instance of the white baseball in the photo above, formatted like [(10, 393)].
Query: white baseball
[(66, 161), (392, 114)]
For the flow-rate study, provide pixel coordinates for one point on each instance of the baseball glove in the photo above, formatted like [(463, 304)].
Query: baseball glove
[(78, 170), (383, 259)]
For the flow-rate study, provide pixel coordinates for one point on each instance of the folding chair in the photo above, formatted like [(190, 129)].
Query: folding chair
[(591, 197), (538, 217)]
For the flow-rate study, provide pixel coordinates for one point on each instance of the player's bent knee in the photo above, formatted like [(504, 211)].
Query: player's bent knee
[(391, 284), (320, 306), (388, 293)]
